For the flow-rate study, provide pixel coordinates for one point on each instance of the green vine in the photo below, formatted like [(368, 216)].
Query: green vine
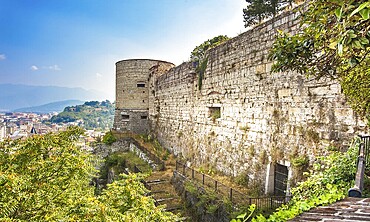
[(198, 55), (200, 70)]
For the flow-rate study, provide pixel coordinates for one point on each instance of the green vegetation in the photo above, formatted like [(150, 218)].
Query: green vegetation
[(109, 138), (90, 115), (46, 178), (328, 182), (215, 114), (201, 69), (198, 55), (242, 179), (258, 10), (245, 217), (118, 162), (155, 146), (334, 43), (208, 200)]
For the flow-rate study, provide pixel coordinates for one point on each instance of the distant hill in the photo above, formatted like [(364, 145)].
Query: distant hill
[(90, 115), (50, 107), (15, 96)]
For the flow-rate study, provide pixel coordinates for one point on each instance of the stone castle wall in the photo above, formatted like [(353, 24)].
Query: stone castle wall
[(264, 117)]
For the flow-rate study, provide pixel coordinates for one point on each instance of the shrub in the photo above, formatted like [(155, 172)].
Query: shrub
[(109, 138)]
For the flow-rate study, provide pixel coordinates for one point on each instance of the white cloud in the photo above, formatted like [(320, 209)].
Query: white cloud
[(98, 75), (54, 67), (2, 56), (34, 68)]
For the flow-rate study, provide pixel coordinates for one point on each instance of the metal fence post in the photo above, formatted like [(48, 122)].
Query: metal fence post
[(183, 170), (203, 178), (231, 194), (215, 185), (192, 173)]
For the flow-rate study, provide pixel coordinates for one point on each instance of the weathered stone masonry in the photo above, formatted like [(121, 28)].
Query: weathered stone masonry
[(132, 94), (265, 118)]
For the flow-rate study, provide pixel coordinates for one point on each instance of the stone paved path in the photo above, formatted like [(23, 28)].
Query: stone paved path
[(347, 210)]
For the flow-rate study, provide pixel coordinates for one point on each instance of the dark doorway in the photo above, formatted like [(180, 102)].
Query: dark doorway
[(280, 179)]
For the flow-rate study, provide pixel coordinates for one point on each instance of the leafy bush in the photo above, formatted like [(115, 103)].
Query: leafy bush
[(109, 138), (119, 161), (46, 178)]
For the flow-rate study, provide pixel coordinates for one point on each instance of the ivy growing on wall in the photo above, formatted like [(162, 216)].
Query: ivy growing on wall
[(200, 70), (199, 58)]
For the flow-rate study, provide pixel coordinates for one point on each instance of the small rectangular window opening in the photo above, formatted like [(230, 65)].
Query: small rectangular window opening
[(141, 85), (144, 117), (214, 112), (125, 116)]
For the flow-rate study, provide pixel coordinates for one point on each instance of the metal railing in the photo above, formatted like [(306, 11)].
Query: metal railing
[(235, 196), (362, 161), (366, 141)]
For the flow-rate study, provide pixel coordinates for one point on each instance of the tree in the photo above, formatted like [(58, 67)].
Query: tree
[(258, 10), (46, 178), (333, 43)]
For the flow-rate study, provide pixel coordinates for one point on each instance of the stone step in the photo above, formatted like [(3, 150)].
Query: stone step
[(162, 195), (173, 208), (164, 199), (151, 193), (156, 181)]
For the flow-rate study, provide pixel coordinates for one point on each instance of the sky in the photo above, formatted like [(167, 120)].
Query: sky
[(76, 43)]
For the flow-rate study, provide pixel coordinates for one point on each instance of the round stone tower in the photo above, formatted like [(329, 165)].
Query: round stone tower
[(132, 94)]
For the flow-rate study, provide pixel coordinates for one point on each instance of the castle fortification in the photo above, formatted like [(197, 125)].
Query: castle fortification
[(244, 120), (132, 94)]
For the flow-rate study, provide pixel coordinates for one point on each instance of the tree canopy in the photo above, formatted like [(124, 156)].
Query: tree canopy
[(258, 10), (46, 178), (333, 43)]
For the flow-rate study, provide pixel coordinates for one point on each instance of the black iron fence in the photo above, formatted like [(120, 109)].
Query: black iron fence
[(365, 140), (363, 162), (235, 196)]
